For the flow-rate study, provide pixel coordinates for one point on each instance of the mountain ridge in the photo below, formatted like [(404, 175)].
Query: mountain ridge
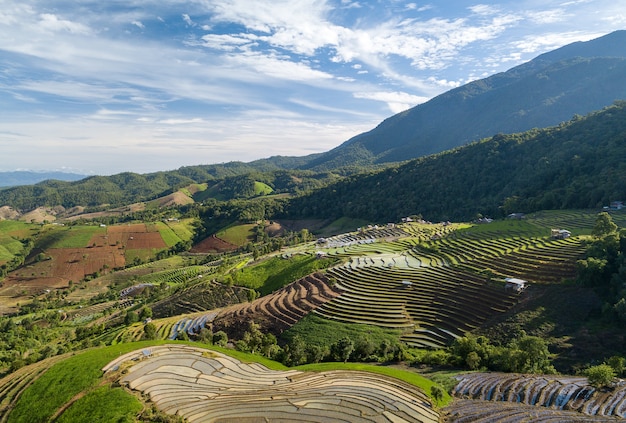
[(575, 79)]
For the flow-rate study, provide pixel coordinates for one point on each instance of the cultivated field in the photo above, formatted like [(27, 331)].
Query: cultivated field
[(437, 282), (556, 393), (66, 255), (206, 386)]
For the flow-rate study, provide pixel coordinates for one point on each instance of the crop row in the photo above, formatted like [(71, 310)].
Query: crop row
[(12, 385), (560, 393), (206, 386), (438, 303), (280, 310)]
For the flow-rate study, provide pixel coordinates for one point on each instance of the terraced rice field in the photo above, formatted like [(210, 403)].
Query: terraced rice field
[(206, 386), (440, 282), (202, 296), (471, 411), (280, 310), (556, 393)]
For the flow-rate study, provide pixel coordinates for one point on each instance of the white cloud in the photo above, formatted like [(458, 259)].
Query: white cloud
[(484, 9), (548, 16), (396, 101), (550, 41), (188, 20), (50, 22), (138, 24), (181, 121), (277, 67)]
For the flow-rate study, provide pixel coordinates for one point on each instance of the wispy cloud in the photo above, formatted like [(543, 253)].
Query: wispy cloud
[(397, 101), (226, 74)]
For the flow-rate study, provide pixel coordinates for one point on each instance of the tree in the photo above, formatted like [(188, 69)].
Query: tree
[(436, 392), (473, 360), (150, 331), (618, 364), (205, 335), (604, 225), (145, 313), (600, 376), (220, 338), (531, 355), (295, 352), (341, 350), (131, 317)]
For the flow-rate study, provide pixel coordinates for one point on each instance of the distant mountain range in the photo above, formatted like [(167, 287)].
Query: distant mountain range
[(576, 79), (24, 177), (554, 88)]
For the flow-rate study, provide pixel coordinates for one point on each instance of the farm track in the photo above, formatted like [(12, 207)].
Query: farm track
[(205, 386)]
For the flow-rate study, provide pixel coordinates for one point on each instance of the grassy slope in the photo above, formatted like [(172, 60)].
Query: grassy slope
[(237, 234), (315, 330), (70, 237), (276, 272), (261, 188), (10, 232)]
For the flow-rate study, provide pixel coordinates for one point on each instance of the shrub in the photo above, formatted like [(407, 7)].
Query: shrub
[(600, 376)]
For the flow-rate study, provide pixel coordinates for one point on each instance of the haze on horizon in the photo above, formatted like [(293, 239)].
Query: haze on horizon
[(142, 86)]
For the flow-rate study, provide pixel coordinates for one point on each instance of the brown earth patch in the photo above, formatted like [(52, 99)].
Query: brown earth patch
[(62, 265), (212, 244), (147, 240), (175, 199), (8, 213), (39, 215)]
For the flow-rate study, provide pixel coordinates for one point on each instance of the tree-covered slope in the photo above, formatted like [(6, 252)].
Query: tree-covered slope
[(576, 79), (228, 181), (577, 164)]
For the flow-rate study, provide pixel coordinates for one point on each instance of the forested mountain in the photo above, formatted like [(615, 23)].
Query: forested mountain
[(578, 164), (554, 87), (576, 79), (225, 181)]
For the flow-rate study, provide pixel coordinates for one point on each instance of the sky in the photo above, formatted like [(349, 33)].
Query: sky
[(103, 87)]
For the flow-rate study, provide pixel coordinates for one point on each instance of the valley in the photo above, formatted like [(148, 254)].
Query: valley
[(423, 286), (461, 262)]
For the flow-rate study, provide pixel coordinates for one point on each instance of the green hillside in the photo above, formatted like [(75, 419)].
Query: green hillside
[(578, 164), (576, 79)]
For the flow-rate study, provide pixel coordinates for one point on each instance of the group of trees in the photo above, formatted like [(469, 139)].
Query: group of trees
[(604, 267), (526, 354), (296, 351)]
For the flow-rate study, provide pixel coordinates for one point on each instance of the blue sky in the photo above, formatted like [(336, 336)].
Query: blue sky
[(109, 86)]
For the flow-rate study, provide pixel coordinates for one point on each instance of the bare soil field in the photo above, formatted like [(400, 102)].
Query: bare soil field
[(212, 244), (104, 253), (175, 199)]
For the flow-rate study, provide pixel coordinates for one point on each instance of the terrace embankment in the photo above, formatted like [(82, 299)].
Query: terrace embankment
[(556, 393), (206, 386), (280, 310)]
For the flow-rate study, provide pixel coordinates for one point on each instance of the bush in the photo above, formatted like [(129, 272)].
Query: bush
[(600, 376)]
